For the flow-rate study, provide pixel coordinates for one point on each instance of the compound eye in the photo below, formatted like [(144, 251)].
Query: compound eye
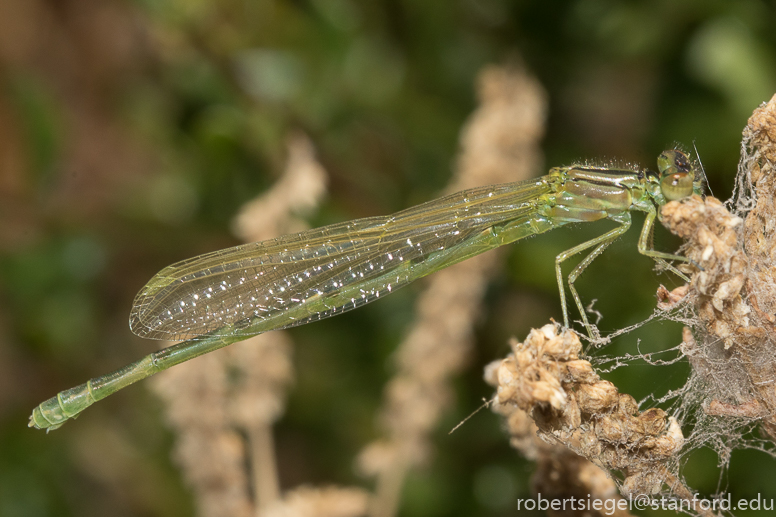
[(673, 161), (676, 174), (676, 185)]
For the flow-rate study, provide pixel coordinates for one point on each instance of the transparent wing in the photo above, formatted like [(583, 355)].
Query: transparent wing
[(317, 273)]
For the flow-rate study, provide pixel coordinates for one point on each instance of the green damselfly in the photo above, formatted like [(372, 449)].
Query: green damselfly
[(226, 296)]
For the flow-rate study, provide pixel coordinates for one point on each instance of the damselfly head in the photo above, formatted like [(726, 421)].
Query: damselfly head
[(677, 175)]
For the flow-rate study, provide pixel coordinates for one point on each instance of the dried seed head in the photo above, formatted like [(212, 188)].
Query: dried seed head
[(598, 397), (572, 405)]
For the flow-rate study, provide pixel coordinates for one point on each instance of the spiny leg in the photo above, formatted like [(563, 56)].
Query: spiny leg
[(601, 243), (644, 247), (611, 237), (572, 278), (663, 264)]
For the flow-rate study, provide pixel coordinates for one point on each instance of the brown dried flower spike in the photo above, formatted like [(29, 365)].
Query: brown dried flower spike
[(572, 405), (732, 346)]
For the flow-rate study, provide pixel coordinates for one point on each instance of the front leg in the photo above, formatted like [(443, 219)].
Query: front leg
[(658, 256)]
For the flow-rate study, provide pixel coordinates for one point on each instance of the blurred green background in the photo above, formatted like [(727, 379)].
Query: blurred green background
[(132, 131)]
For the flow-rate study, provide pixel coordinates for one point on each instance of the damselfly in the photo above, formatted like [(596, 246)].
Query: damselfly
[(226, 296)]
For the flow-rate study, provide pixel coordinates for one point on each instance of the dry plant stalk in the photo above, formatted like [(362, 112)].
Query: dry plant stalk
[(320, 502), (214, 400), (500, 143), (572, 407), (730, 304), (560, 472), (732, 346)]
